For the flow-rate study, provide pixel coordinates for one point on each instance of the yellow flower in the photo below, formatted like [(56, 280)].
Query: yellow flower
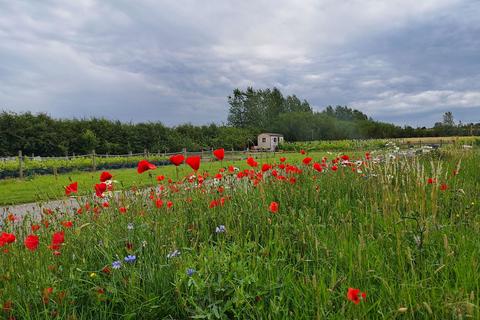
[(93, 275)]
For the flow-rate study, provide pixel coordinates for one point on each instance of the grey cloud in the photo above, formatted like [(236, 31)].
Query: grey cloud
[(177, 61)]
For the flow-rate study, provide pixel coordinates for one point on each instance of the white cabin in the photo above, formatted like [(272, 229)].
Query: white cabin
[(269, 141)]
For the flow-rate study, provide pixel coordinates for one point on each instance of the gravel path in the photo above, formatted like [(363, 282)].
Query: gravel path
[(35, 209)]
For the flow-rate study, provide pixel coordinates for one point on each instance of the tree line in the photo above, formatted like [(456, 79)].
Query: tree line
[(250, 112), (269, 111), (40, 134)]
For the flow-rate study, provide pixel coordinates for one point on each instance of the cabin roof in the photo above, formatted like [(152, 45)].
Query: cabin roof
[(272, 134)]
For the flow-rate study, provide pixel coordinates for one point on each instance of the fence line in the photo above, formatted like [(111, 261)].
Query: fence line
[(129, 155), (95, 161)]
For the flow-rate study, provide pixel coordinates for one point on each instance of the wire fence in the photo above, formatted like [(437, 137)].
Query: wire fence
[(23, 166)]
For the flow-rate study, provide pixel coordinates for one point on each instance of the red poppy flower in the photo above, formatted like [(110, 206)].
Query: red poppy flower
[(159, 203), (67, 224), (177, 159), (144, 165), (266, 167), (219, 154), (251, 162), (307, 160), (317, 166), (122, 209), (31, 242), (431, 180), (213, 204), (105, 176), (169, 204), (6, 238), (100, 188), (35, 227), (160, 178), (334, 168), (106, 204), (273, 208), (282, 159), (71, 188), (46, 295), (443, 187), (354, 295), (345, 157), (193, 162), (302, 151), (57, 239)]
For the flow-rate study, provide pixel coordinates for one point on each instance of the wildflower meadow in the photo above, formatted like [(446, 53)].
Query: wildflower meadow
[(361, 235)]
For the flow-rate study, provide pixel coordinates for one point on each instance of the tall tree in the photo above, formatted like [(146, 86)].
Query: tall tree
[(448, 119)]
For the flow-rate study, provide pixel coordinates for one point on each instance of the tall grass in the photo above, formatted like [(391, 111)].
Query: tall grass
[(380, 227)]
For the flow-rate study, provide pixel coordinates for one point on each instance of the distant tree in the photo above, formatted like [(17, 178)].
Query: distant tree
[(448, 119), (258, 109)]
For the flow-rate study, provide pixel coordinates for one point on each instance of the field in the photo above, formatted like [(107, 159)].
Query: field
[(49, 187), (378, 144), (386, 235)]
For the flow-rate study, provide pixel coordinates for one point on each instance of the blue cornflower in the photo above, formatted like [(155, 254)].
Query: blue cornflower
[(220, 229), (116, 264), (173, 254), (130, 258), (191, 272)]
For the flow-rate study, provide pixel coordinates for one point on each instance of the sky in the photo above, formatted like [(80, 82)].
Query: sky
[(400, 61)]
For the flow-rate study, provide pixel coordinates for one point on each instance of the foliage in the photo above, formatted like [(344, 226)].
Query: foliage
[(41, 135), (267, 110), (258, 108)]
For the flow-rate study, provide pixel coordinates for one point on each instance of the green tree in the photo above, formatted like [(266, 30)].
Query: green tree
[(88, 141)]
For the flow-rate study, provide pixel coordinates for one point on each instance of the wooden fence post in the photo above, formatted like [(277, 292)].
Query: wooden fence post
[(185, 152), (94, 161), (20, 164)]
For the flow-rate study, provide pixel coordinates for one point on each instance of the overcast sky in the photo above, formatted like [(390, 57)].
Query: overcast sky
[(401, 61)]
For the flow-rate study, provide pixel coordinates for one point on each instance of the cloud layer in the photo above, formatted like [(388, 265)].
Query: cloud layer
[(401, 61)]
